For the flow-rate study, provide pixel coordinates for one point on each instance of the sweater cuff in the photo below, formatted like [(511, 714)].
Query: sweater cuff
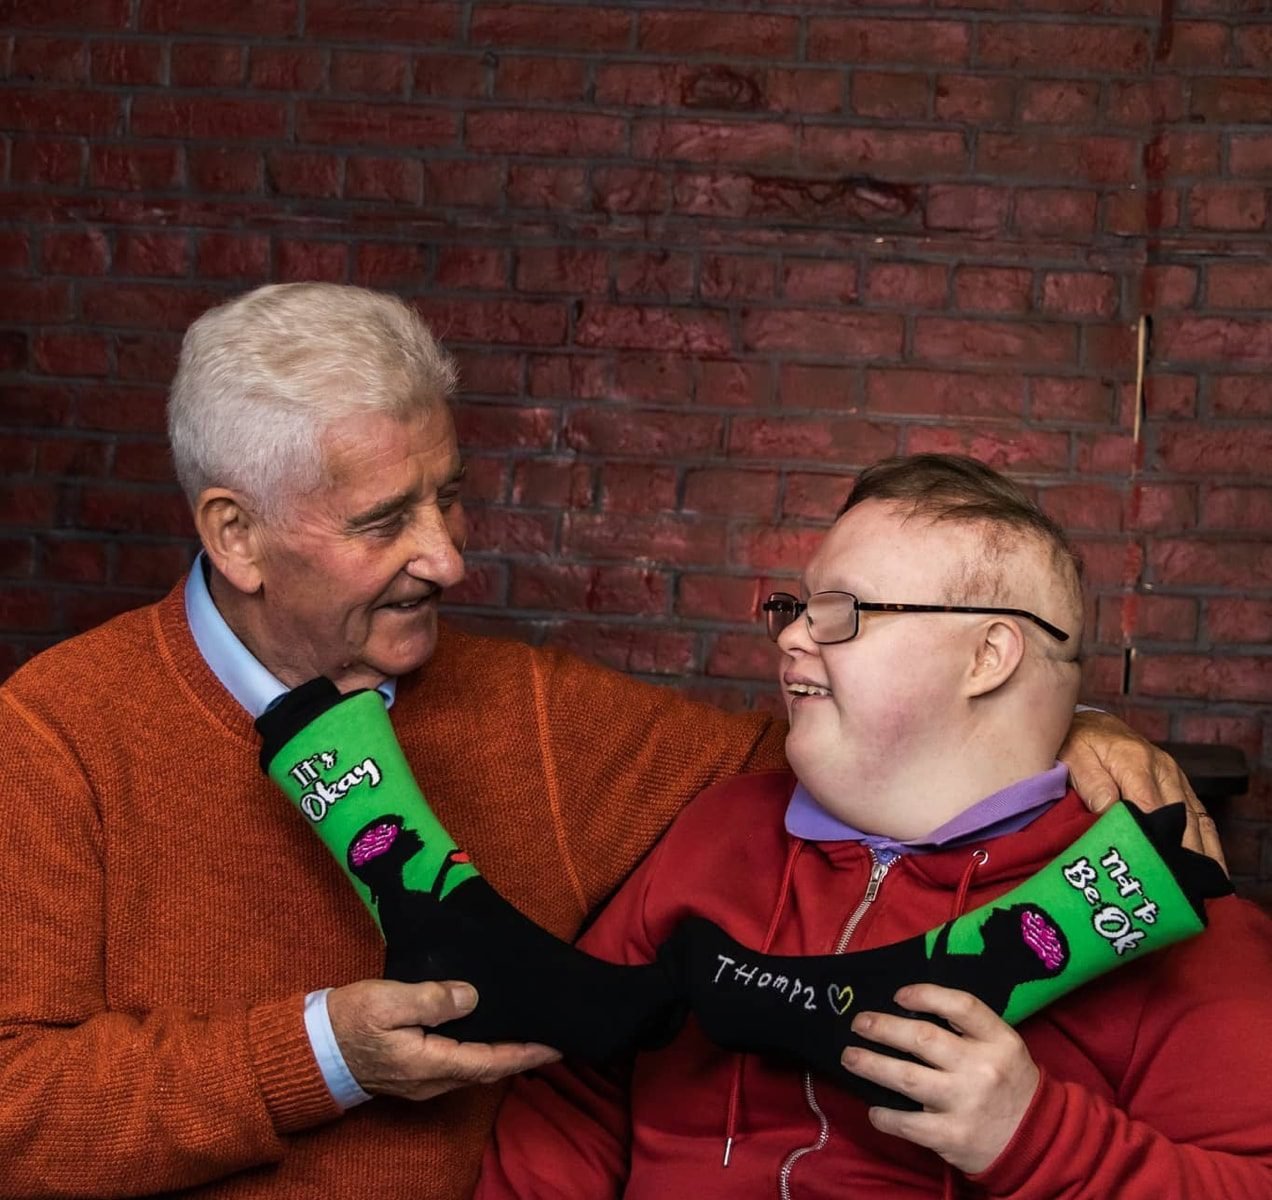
[(1019, 1160), (286, 1070)]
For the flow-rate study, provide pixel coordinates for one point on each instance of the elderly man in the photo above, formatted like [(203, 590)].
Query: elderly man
[(171, 930), (928, 667)]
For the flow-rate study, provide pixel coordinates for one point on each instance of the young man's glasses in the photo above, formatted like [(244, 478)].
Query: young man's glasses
[(834, 617)]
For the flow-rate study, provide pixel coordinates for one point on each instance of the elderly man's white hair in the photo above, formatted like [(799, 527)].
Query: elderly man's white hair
[(262, 377)]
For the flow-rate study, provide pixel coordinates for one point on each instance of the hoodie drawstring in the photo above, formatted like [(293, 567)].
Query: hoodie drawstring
[(735, 1088), (979, 858)]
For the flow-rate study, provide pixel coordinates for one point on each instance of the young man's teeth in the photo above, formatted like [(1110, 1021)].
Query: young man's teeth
[(807, 689)]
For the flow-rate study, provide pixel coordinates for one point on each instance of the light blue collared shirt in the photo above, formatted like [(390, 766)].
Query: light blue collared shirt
[(250, 683)]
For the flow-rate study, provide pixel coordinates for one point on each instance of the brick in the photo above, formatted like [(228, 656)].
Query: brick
[(562, 269), (396, 21), (731, 492), (72, 458), (216, 118), (889, 96), (225, 169), (370, 73), (1107, 454), (1139, 617), (13, 351), (631, 648), (452, 76), (1234, 509), (552, 483), (299, 259), (898, 153), (37, 406), (784, 549), (71, 354), (660, 85), (1134, 213), (1162, 507), (1232, 99), (1008, 450), (78, 15), (1227, 207), (974, 99), (828, 441), (364, 124), (722, 597), (1240, 621), (563, 80), (26, 610), (233, 256), (1059, 102), (968, 208), (207, 65), (1144, 102), (907, 285), (47, 161), (35, 302), (152, 254), (637, 488), (1051, 46), (1252, 45), (512, 533), (485, 479), (218, 16), (15, 253), (512, 322), (398, 180), (145, 358), (741, 35), (1230, 678), (655, 275), (811, 92), (134, 510), (743, 656), (623, 190), (653, 379), (463, 184), (1108, 562), (561, 375), (143, 462), (623, 432), (1044, 156), (727, 277), (814, 497), (85, 610), (503, 426), (1168, 286), (144, 566), (811, 331), (1166, 396), (1240, 395), (937, 393), (316, 176), (1175, 153), (490, 374), (1219, 729), (49, 60), (61, 110), (1055, 212), (135, 168), (1197, 44), (597, 589), (28, 504), (1086, 507), (649, 328), (803, 385), (813, 280), (734, 385), (591, 28), (759, 144), (389, 265), (559, 133), (127, 64), (661, 538), (145, 305), (286, 69), (479, 268), (993, 289), (966, 341), (1079, 293), (114, 408), (1212, 563), (17, 557), (1250, 154), (873, 41)]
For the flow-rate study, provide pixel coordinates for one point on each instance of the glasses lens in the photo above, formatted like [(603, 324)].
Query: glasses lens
[(832, 617), (780, 609)]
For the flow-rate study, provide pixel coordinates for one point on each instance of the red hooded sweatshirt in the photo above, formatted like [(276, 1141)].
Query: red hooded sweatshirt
[(1156, 1080)]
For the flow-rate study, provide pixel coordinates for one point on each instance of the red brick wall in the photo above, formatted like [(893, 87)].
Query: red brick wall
[(699, 265)]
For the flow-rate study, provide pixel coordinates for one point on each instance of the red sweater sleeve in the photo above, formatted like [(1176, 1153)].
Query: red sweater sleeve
[(99, 1099), (1193, 1112), (565, 1131)]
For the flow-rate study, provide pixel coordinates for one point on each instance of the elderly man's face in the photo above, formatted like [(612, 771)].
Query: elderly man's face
[(351, 572)]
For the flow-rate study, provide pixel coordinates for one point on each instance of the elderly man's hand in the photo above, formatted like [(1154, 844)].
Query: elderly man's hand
[(1108, 760), (383, 1030), (978, 1084)]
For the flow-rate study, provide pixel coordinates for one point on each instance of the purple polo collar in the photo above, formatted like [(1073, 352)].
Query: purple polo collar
[(1005, 811)]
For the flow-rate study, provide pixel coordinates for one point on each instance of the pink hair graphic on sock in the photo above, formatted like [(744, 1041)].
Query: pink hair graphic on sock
[(373, 843), (1040, 937)]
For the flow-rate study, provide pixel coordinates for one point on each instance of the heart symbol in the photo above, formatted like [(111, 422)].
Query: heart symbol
[(840, 998)]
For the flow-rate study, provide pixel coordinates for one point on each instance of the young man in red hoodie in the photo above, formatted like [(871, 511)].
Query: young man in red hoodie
[(925, 784)]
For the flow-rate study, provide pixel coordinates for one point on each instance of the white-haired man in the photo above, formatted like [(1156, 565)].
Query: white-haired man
[(171, 933)]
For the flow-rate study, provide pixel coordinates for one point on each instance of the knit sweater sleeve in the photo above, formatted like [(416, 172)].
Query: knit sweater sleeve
[(97, 1098), (624, 757), (1192, 1113)]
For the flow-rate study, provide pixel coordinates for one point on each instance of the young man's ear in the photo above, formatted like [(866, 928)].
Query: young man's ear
[(1000, 648), (230, 533)]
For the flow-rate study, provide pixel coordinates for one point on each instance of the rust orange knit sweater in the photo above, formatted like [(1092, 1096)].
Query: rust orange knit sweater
[(165, 911)]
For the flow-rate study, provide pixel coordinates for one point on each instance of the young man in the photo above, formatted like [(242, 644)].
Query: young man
[(923, 746)]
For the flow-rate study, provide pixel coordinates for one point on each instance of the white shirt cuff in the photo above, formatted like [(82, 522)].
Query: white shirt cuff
[(335, 1071)]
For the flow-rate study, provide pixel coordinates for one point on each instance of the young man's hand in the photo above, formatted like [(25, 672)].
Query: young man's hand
[(1108, 760), (975, 1088)]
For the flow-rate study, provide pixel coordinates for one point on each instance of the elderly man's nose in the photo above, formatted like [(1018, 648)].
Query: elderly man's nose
[(436, 554)]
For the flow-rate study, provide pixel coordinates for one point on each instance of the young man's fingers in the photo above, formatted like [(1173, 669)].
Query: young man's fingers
[(921, 1128), (968, 1014), (922, 1084)]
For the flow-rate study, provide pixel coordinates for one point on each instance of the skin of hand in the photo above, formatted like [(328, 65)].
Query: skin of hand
[(1108, 760), (383, 1030), (977, 1085)]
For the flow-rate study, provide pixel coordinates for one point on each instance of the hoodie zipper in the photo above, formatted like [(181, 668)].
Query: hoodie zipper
[(878, 870)]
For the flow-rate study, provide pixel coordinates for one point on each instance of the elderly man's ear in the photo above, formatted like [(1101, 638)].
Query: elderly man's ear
[(231, 537), (998, 652)]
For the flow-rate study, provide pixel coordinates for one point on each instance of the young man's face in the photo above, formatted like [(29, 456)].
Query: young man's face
[(352, 572), (887, 693)]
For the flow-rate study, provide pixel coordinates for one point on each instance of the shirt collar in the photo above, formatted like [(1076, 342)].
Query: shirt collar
[(241, 673), (1005, 811)]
